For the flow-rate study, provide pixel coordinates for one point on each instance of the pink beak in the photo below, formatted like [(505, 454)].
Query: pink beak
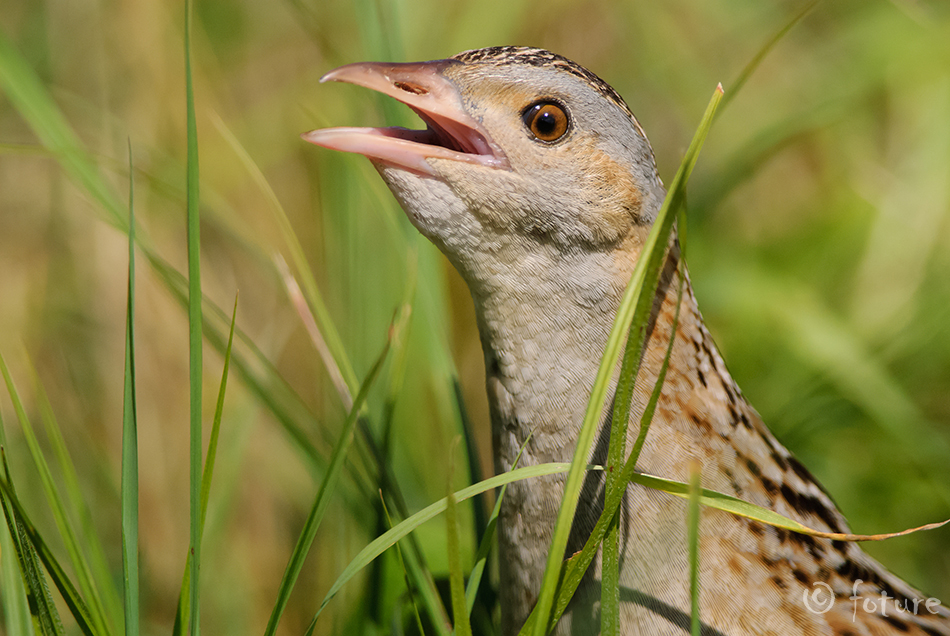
[(451, 134)]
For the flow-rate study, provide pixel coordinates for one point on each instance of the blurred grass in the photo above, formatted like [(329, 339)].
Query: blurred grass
[(823, 191)]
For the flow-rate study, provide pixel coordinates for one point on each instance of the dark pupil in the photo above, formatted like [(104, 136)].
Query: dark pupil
[(546, 123)]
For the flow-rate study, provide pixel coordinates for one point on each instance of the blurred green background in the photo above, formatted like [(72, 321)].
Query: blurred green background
[(818, 240)]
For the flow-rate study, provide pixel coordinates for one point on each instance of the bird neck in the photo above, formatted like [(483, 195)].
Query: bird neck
[(544, 320)]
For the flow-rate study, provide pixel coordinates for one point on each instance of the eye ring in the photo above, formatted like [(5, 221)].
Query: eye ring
[(546, 120)]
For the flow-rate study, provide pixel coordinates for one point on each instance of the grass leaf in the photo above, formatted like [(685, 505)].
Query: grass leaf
[(405, 572), (27, 551), (194, 332), (212, 454), (644, 274), (103, 594), (456, 583), (42, 608), (577, 565), (336, 361), (327, 487), (184, 597), (15, 606), (756, 60), (63, 524), (484, 546), (130, 445), (33, 102), (728, 503), (36, 106), (695, 473), (16, 612), (387, 540), (30, 545), (420, 575)]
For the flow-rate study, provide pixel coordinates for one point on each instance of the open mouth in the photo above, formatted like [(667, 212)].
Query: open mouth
[(450, 132)]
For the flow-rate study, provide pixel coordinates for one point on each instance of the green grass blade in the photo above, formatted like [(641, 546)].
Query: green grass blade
[(484, 546), (35, 105), (397, 367), (16, 613), (45, 618), (326, 489), (130, 444), (31, 99), (60, 516), (14, 571), (753, 64), (405, 572), (481, 557), (260, 375), (610, 570), (420, 575), (620, 418), (728, 503), (623, 396), (212, 454), (650, 260), (413, 561), (695, 473), (610, 580), (184, 597), (456, 582), (104, 595), (412, 558), (194, 332), (480, 505), (338, 366), (577, 565), (402, 529), (42, 609), (32, 545), (370, 451)]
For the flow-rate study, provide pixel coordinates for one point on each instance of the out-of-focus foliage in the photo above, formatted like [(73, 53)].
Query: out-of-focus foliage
[(819, 246)]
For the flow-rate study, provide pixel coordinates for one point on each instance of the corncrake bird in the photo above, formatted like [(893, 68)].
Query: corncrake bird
[(537, 182)]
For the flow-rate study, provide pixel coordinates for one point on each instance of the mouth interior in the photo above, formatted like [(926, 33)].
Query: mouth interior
[(445, 133)]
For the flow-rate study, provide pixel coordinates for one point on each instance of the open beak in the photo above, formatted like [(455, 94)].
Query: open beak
[(450, 134)]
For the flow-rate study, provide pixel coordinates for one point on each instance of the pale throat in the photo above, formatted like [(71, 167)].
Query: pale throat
[(544, 318)]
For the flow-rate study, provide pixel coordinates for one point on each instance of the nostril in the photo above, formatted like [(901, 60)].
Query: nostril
[(410, 88)]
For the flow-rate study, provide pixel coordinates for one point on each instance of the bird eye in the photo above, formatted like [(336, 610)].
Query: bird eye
[(547, 121)]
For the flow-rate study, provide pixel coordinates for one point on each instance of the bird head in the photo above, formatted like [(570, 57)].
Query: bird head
[(522, 148)]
